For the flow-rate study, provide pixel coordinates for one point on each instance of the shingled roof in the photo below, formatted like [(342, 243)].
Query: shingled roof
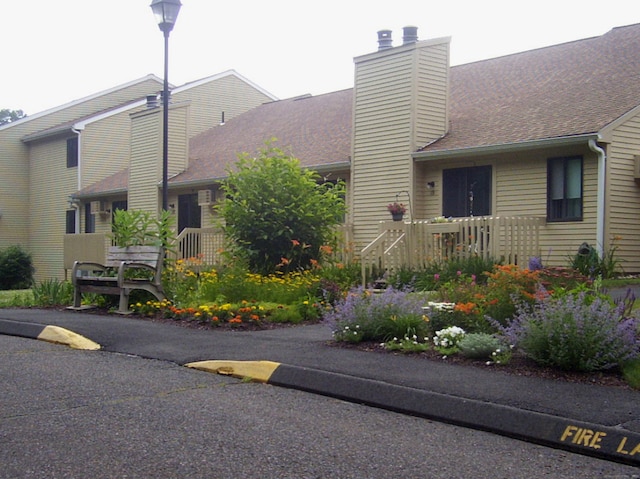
[(314, 129), (563, 90), (568, 89)]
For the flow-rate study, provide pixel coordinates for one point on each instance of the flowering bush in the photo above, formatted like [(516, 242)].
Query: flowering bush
[(446, 340), (396, 208), (574, 332), (364, 315)]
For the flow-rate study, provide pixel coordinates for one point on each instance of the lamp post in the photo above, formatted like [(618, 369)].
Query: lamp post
[(166, 13)]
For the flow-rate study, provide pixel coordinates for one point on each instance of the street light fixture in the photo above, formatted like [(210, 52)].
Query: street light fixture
[(166, 13)]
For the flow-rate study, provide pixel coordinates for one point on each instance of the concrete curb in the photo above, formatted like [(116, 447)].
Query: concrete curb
[(51, 334), (605, 442)]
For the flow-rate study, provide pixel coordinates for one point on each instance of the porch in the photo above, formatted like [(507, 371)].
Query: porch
[(410, 244), (416, 244)]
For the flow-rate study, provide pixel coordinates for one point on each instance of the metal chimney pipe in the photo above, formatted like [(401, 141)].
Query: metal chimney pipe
[(384, 40), (409, 35)]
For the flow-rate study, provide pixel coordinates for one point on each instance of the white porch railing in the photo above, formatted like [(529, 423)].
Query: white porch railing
[(510, 239), (204, 244)]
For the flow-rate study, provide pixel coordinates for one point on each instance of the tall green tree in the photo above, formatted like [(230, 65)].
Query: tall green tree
[(8, 116), (277, 213)]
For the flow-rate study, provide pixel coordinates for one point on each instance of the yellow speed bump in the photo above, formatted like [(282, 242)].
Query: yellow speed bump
[(58, 335), (259, 371)]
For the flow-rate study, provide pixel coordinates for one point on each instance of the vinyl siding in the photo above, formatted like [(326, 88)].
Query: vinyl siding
[(30, 187), (50, 182), (624, 195), (400, 99), (14, 189), (105, 147), (145, 171), (432, 95), (520, 189), (178, 138), (228, 94)]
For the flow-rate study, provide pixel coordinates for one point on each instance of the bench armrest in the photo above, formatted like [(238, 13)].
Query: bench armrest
[(124, 265), (85, 266)]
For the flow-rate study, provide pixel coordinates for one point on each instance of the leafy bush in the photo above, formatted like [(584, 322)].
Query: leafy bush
[(573, 332), (479, 345), (364, 315), (631, 373), (16, 268), (588, 262), (278, 214), (439, 273), (137, 227), (53, 292)]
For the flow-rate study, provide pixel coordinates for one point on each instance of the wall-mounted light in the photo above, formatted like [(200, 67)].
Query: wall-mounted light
[(431, 186)]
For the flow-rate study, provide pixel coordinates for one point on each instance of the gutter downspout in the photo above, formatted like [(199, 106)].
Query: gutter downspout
[(602, 163)]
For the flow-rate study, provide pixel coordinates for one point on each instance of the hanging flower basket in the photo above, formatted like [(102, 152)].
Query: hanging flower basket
[(397, 211)]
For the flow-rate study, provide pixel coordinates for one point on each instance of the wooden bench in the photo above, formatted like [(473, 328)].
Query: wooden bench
[(119, 275)]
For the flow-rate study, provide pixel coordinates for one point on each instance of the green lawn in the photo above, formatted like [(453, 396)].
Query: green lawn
[(16, 297)]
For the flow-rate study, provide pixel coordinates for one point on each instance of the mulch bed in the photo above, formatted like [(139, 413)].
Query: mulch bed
[(519, 365)]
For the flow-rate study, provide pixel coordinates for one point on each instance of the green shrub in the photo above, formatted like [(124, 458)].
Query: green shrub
[(285, 314), (589, 263), (479, 345), (278, 214), (438, 273), (631, 373), (53, 292), (16, 268), (137, 227)]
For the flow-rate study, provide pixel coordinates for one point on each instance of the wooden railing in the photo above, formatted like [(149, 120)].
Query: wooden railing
[(204, 244), (510, 239)]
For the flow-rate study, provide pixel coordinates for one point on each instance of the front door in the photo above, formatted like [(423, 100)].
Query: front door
[(466, 191), (188, 212)]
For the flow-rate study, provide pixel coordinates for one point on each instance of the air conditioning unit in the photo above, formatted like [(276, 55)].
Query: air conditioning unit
[(99, 207), (205, 197)]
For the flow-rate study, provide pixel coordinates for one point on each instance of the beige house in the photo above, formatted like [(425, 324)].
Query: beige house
[(544, 144), (549, 136), (111, 138)]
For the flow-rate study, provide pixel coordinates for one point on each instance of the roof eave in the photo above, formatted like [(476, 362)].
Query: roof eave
[(505, 147)]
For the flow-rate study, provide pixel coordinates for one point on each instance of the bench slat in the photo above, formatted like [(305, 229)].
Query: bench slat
[(121, 258)]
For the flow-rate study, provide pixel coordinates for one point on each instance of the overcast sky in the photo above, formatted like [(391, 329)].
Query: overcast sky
[(56, 51)]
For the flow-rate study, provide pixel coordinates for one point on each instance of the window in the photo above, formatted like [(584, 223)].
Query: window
[(72, 152), (71, 222), (564, 189), (89, 219), (466, 191)]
